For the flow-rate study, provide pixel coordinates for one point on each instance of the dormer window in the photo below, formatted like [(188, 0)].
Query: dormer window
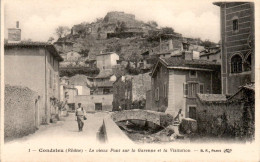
[(235, 24)]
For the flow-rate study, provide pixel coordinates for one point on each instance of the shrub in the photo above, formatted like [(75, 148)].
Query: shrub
[(73, 71)]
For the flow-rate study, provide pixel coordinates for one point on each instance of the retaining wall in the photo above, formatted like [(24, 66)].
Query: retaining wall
[(20, 108)]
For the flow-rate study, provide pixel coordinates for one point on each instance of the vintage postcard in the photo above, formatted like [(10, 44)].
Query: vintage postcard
[(131, 80)]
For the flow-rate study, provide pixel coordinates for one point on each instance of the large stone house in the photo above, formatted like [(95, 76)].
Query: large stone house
[(176, 81), (236, 113), (237, 45), (211, 54), (36, 66), (232, 112), (100, 95)]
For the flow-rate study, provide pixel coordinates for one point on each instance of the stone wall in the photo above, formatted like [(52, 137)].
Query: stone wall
[(20, 111), (141, 83), (122, 94), (219, 119)]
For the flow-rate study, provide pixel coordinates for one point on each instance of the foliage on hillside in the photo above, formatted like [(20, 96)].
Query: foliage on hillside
[(73, 71)]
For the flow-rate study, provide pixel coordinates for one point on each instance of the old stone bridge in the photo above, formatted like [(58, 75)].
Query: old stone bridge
[(158, 118)]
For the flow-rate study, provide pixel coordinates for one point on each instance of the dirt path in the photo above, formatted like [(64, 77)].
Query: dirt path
[(63, 134)]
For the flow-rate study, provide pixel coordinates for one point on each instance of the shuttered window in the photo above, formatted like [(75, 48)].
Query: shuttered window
[(191, 89), (185, 89)]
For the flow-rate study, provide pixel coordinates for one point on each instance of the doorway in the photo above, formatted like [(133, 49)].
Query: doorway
[(98, 106), (192, 112)]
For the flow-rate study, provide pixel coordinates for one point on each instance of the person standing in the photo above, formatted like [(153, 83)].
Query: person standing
[(80, 115)]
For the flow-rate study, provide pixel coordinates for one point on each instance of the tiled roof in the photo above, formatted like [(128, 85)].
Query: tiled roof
[(212, 53), (104, 84), (78, 79), (49, 46), (212, 97), (179, 62), (106, 53)]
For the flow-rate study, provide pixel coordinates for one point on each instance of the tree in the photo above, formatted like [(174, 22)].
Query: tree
[(50, 40), (80, 28), (167, 30), (153, 24), (62, 31), (84, 52), (134, 58), (207, 43)]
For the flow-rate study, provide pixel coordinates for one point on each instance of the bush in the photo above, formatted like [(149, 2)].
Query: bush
[(138, 104), (84, 71)]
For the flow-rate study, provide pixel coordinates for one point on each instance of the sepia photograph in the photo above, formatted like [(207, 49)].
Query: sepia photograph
[(129, 80)]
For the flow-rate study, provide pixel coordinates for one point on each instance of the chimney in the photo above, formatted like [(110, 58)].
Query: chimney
[(14, 34)]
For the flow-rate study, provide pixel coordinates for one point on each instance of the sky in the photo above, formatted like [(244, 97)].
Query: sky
[(39, 18)]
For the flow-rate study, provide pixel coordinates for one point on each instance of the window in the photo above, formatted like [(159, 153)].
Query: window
[(235, 24), (193, 74), (191, 89), (236, 64), (106, 91), (185, 89), (157, 94), (129, 95), (201, 88), (207, 57)]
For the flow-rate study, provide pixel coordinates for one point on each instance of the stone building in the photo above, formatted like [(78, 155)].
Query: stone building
[(235, 114), (107, 60), (237, 45), (176, 81), (100, 95), (211, 54), (36, 66)]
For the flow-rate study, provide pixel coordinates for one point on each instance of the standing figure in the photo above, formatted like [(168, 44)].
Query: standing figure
[(80, 114)]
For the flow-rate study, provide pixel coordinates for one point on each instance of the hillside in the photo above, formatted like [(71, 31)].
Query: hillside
[(117, 31)]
